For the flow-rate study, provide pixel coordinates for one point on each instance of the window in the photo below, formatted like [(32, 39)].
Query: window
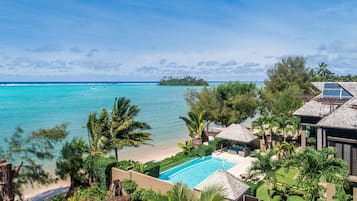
[(334, 90), (347, 152)]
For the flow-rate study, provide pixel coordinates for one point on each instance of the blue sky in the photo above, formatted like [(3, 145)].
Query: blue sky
[(132, 40)]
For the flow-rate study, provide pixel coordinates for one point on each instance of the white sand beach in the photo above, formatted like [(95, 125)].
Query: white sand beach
[(141, 154)]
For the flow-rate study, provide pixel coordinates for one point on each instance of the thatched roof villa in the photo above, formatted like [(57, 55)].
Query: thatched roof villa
[(331, 119)]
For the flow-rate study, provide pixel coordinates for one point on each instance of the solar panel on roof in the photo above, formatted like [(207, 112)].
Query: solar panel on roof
[(334, 90), (331, 86), (345, 94), (331, 93)]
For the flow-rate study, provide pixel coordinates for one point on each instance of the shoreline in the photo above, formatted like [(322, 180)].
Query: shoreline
[(142, 154)]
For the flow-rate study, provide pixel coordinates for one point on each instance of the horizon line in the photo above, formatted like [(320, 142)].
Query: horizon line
[(79, 82)]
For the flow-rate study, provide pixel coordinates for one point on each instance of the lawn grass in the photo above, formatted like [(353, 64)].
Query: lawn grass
[(282, 177), (166, 166), (286, 177), (262, 194)]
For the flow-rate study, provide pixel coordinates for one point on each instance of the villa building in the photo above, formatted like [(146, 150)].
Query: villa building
[(330, 120)]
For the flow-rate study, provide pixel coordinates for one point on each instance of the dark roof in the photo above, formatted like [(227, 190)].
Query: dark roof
[(344, 117)]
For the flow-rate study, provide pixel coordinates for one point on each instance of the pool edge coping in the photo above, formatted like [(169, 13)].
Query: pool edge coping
[(180, 165), (235, 163)]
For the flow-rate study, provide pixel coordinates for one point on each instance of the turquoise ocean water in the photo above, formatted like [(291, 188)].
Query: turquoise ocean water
[(43, 106)]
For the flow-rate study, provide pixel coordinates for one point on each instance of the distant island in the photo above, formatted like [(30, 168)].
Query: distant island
[(183, 81)]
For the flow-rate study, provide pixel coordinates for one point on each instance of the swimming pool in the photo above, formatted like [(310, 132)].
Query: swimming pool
[(194, 172)]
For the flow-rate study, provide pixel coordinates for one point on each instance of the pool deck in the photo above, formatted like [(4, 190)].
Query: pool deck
[(243, 163)]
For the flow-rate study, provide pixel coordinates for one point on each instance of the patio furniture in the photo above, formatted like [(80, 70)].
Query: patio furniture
[(244, 176), (237, 133)]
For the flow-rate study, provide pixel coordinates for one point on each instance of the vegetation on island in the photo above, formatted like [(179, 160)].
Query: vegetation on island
[(183, 81)]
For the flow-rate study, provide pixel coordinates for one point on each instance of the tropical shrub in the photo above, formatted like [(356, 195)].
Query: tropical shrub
[(126, 164), (180, 192), (149, 168), (316, 166), (217, 143), (93, 193), (267, 165), (195, 124), (146, 195), (254, 186), (186, 147), (204, 150), (311, 141), (59, 198), (129, 186)]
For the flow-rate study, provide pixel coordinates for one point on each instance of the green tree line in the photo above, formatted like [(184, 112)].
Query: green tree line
[(183, 81)]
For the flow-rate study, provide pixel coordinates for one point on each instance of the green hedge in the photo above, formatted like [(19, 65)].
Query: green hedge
[(93, 193), (152, 169), (173, 161), (129, 186), (204, 151), (101, 170), (147, 195), (149, 168), (127, 164), (179, 158), (217, 143)]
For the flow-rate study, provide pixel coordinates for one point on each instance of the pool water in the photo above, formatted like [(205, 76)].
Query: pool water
[(194, 172)]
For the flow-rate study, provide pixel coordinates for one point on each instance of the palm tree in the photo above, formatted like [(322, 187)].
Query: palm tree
[(265, 165), (284, 150), (186, 147), (71, 160), (213, 193), (265, 126), (315, 167), (124, 130), (195, 124), (323, 72), (98, 133), (259, 129), (287, 126), (180, 192)]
